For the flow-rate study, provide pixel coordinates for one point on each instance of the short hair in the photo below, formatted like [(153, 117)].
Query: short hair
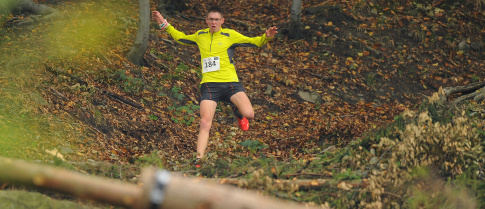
[(215, 9)]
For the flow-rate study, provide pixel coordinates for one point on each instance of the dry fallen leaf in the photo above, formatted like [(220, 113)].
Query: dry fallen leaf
[(344, 186)]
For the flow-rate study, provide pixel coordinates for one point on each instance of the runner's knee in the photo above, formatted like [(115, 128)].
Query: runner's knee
[(205, 124)]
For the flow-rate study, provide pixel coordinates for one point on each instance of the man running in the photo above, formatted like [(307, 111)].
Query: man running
[(219, 77)]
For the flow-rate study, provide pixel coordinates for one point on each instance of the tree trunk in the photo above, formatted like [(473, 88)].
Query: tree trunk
[(141, 43), (295, 20)]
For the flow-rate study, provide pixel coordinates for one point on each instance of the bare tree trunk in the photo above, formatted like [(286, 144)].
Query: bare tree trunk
[(295, 20), (141, 43)]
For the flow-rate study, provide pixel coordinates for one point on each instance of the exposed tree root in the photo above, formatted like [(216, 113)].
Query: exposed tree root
[(42, 12)]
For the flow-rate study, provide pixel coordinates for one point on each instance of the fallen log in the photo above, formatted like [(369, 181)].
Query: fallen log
[(461, 89), (18, 172), (474, 91), (158, 189)]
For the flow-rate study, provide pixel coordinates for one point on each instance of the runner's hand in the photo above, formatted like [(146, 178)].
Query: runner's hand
[(158, 17), (271, 31)]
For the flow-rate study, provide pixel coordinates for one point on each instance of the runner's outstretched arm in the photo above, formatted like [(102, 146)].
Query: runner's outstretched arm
[(179, 36), (259, 41)]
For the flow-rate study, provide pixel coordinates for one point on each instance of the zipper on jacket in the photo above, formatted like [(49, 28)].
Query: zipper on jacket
[(212, 37)]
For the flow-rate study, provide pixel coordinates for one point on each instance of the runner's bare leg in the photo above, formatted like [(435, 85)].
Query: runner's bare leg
[(242, 102), (207, 111)]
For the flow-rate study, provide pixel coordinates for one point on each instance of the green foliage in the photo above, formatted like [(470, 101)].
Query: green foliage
[(179, 73), (184, 114), (176, 94), (152, 160), (475, 78), (253, 145), (165, 56), (370, 79), (346, 175), (119, 77), (153, 117)]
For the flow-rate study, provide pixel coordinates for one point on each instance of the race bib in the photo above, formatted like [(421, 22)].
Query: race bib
[(211, 64)]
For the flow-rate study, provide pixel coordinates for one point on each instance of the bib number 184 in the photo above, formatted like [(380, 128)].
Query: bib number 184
[(210, 64)]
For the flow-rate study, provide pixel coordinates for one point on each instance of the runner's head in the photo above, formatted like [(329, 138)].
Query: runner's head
[(214, 19)]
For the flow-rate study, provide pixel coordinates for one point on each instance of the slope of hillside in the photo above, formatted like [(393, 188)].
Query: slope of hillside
[(69, 84)]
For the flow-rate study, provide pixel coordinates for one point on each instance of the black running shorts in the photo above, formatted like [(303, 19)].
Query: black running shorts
[(220, 91)]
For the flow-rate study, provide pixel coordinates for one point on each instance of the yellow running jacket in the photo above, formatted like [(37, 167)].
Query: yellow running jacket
[(217, 51)]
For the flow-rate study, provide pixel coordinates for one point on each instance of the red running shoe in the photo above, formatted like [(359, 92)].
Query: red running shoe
[(243, 124), (196, 162)]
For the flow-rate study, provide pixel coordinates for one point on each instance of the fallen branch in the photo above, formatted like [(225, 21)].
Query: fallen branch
[(308, 174), (158, 189), (462, 89), (120, 99), (79, 114), (475, 96), (107, 93), (58, 94), (301, 184)]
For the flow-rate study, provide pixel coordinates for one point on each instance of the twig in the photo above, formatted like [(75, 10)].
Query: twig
[(392, 194), (307, 174), (236, 175), (286, 196), (326, 149), (304, 167), (438, 3), (58, 94)]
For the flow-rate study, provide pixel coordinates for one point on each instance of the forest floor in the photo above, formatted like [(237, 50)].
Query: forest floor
[(67, 86)]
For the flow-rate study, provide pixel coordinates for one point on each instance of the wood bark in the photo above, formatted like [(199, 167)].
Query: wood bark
[(141, 42), (461, 89), (89, 187), (198, 193), (295, 20), (180, 192)]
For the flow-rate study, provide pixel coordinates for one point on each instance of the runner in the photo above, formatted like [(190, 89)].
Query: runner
[(219, 77)]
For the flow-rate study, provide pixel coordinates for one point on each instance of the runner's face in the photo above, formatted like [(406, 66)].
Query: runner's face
[(214, 21)]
